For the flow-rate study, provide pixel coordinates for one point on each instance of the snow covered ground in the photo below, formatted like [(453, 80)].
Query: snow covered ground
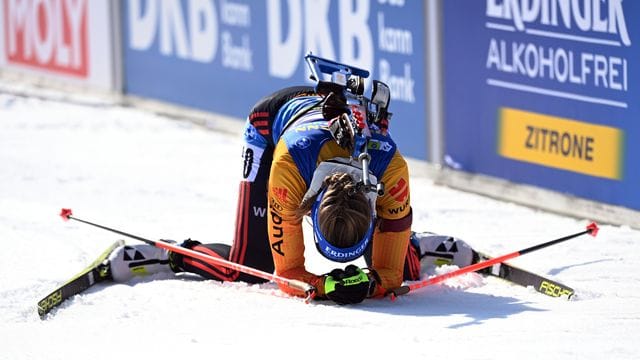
[(161, 178)]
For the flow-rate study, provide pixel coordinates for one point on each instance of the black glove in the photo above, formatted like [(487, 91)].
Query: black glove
[(348, 286)]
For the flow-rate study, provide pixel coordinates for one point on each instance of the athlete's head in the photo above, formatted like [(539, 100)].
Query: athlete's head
[(342, 219)]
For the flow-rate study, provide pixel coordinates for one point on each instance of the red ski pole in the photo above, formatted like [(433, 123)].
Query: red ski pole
[(592, 229), (309, 290)]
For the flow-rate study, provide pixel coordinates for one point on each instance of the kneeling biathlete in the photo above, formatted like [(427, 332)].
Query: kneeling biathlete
[(323, 152)]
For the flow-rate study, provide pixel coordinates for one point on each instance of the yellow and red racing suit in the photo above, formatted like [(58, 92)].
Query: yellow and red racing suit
[(301, 143), (285, 139)]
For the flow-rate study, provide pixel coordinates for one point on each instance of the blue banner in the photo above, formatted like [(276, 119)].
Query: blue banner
[(223, 56), (545, 92)]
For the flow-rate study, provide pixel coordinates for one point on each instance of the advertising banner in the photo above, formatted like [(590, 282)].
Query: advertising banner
[(224, 55), (545, 92), (65, 39)]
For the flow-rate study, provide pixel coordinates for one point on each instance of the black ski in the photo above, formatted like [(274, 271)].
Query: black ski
[(527, 278), (96, 272)]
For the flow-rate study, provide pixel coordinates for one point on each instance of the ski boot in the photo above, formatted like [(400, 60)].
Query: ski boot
[(437, 250), (129, 261)]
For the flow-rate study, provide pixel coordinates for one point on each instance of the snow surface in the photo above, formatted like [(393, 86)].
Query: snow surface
[(163, 178)]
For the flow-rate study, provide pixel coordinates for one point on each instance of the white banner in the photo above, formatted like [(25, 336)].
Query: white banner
[(68, 40)]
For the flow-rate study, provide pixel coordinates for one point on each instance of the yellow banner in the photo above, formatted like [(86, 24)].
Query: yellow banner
[(561, 143)]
